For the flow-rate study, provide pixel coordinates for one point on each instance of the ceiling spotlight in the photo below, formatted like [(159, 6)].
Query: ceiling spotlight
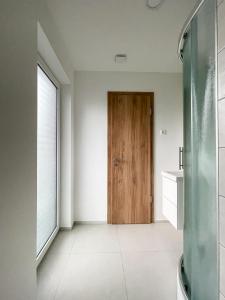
[(154, 3), (120, 58)]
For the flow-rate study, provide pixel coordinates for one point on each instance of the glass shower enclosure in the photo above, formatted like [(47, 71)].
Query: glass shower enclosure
[(199, 266)]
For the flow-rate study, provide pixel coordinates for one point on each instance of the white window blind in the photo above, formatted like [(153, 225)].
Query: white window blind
[(46, 159)]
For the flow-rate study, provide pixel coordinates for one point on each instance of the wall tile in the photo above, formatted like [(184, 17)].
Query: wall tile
[(221, 119), (222, 220), (219, 2), (221, 25), (222, 171), (222, 270), (222, 205), (221, 73), (222, 297)]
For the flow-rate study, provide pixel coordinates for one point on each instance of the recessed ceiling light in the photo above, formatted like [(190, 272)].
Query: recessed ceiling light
[(154, 3), (120, 58)]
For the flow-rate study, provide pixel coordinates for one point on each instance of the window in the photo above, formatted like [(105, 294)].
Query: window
[(47, 202)]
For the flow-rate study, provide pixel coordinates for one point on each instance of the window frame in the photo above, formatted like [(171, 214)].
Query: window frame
[(41, 63)]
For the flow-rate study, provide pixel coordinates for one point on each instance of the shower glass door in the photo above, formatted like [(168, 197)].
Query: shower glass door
[(200, 157)]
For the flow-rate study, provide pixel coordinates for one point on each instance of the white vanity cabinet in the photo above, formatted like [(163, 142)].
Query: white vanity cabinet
[(172, 193)]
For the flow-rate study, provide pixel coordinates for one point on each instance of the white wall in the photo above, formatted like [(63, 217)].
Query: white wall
[(90, 134), (66, 216), (52, 49), (54, 37), (18, 144)]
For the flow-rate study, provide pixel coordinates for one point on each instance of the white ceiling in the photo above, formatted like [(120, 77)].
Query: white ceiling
[(95, 30)]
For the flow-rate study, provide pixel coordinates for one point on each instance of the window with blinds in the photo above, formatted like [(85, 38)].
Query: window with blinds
[(46, 159)]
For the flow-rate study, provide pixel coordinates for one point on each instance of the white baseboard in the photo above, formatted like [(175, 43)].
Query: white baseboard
[(90, 222), (66, 228), (161, 221), (105, 222)]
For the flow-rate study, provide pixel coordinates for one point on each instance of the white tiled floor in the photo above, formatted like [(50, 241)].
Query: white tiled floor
[(112, 262)]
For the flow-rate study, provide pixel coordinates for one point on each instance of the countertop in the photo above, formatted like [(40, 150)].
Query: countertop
[(173, 175)]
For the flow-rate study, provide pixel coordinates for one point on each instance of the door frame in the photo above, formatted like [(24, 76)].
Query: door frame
[(109, 135)]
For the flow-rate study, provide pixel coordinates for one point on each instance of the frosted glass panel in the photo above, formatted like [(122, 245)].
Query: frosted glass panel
[(200, 161), (46, 159), (204, 242)]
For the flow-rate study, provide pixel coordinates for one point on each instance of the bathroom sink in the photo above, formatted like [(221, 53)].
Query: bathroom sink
[(174, 175)]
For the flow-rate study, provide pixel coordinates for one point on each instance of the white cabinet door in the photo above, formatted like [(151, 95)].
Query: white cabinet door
[(173, 201)]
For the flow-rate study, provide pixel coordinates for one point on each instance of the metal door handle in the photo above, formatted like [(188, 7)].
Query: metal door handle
[(181, 152), (116, 161)]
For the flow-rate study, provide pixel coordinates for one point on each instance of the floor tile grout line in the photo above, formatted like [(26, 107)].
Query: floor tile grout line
[(81, 250), (74, 238), (61, 278), (123, 267), (69, 254), (124, 275)]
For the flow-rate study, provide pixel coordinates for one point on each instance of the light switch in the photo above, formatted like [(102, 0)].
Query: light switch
[(163, 132)]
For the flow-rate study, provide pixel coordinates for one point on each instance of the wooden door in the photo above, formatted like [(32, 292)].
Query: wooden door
[(130, 158)]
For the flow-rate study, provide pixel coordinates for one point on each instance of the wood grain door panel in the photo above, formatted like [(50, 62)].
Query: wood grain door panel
[(130, 137)]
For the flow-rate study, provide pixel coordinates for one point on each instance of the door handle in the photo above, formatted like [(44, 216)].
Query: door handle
[(116, 161), (181, 152)]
